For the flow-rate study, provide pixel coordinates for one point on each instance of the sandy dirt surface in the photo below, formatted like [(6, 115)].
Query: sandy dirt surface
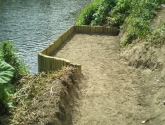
[(113, 93)]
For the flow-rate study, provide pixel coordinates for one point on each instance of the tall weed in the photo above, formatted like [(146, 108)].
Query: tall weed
[(119, 13)]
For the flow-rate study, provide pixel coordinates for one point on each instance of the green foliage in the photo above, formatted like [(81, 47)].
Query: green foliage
[(9, 54), (86, 15), (119, 13), (139, 15), (96, 12), (99, 17), (6, 74), (156, 37), (134, 16)]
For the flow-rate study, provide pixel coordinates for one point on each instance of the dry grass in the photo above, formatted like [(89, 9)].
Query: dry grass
[(43, 98)]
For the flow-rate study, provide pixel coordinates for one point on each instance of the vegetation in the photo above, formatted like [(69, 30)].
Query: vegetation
[(96, 12), (29, 86), (86, 16), (131, 15), (157, 36), (119, 13), (99, 17), (8, 53), (11, 68), (6, 74), (140, 19)]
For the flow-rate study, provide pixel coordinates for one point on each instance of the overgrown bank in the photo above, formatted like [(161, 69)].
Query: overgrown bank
[(130, 16)]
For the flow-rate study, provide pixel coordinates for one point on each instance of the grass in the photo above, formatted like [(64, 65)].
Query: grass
[(156, 37)]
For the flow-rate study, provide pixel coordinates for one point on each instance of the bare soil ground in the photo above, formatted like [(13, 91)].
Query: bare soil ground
[(114, 90)]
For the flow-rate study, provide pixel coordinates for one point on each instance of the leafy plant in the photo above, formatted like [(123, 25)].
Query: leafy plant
[(119, 13), (96, 12), (9, 54), (86, 16), (139, 19), (6, 74), (102, 12)]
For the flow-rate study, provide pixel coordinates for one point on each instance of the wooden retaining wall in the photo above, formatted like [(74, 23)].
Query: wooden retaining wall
[(50, 63)]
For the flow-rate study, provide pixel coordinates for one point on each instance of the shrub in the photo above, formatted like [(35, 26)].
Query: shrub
[(10, 67), (86, 15), (9, 55), (96, 12), (119, 13), (102, 12)]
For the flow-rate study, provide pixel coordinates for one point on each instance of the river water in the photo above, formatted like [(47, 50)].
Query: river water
[(33, 24)]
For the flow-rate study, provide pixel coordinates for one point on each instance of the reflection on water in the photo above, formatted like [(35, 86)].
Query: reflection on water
[(33, 24)]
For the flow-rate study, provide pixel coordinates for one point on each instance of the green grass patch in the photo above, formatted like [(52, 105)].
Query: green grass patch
[(156, 37)]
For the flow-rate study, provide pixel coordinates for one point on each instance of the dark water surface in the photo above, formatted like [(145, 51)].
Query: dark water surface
[(33, 24)]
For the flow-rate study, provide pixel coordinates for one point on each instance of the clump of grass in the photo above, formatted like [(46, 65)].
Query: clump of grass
[(32, 88), (29, 86), (156, 37)]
